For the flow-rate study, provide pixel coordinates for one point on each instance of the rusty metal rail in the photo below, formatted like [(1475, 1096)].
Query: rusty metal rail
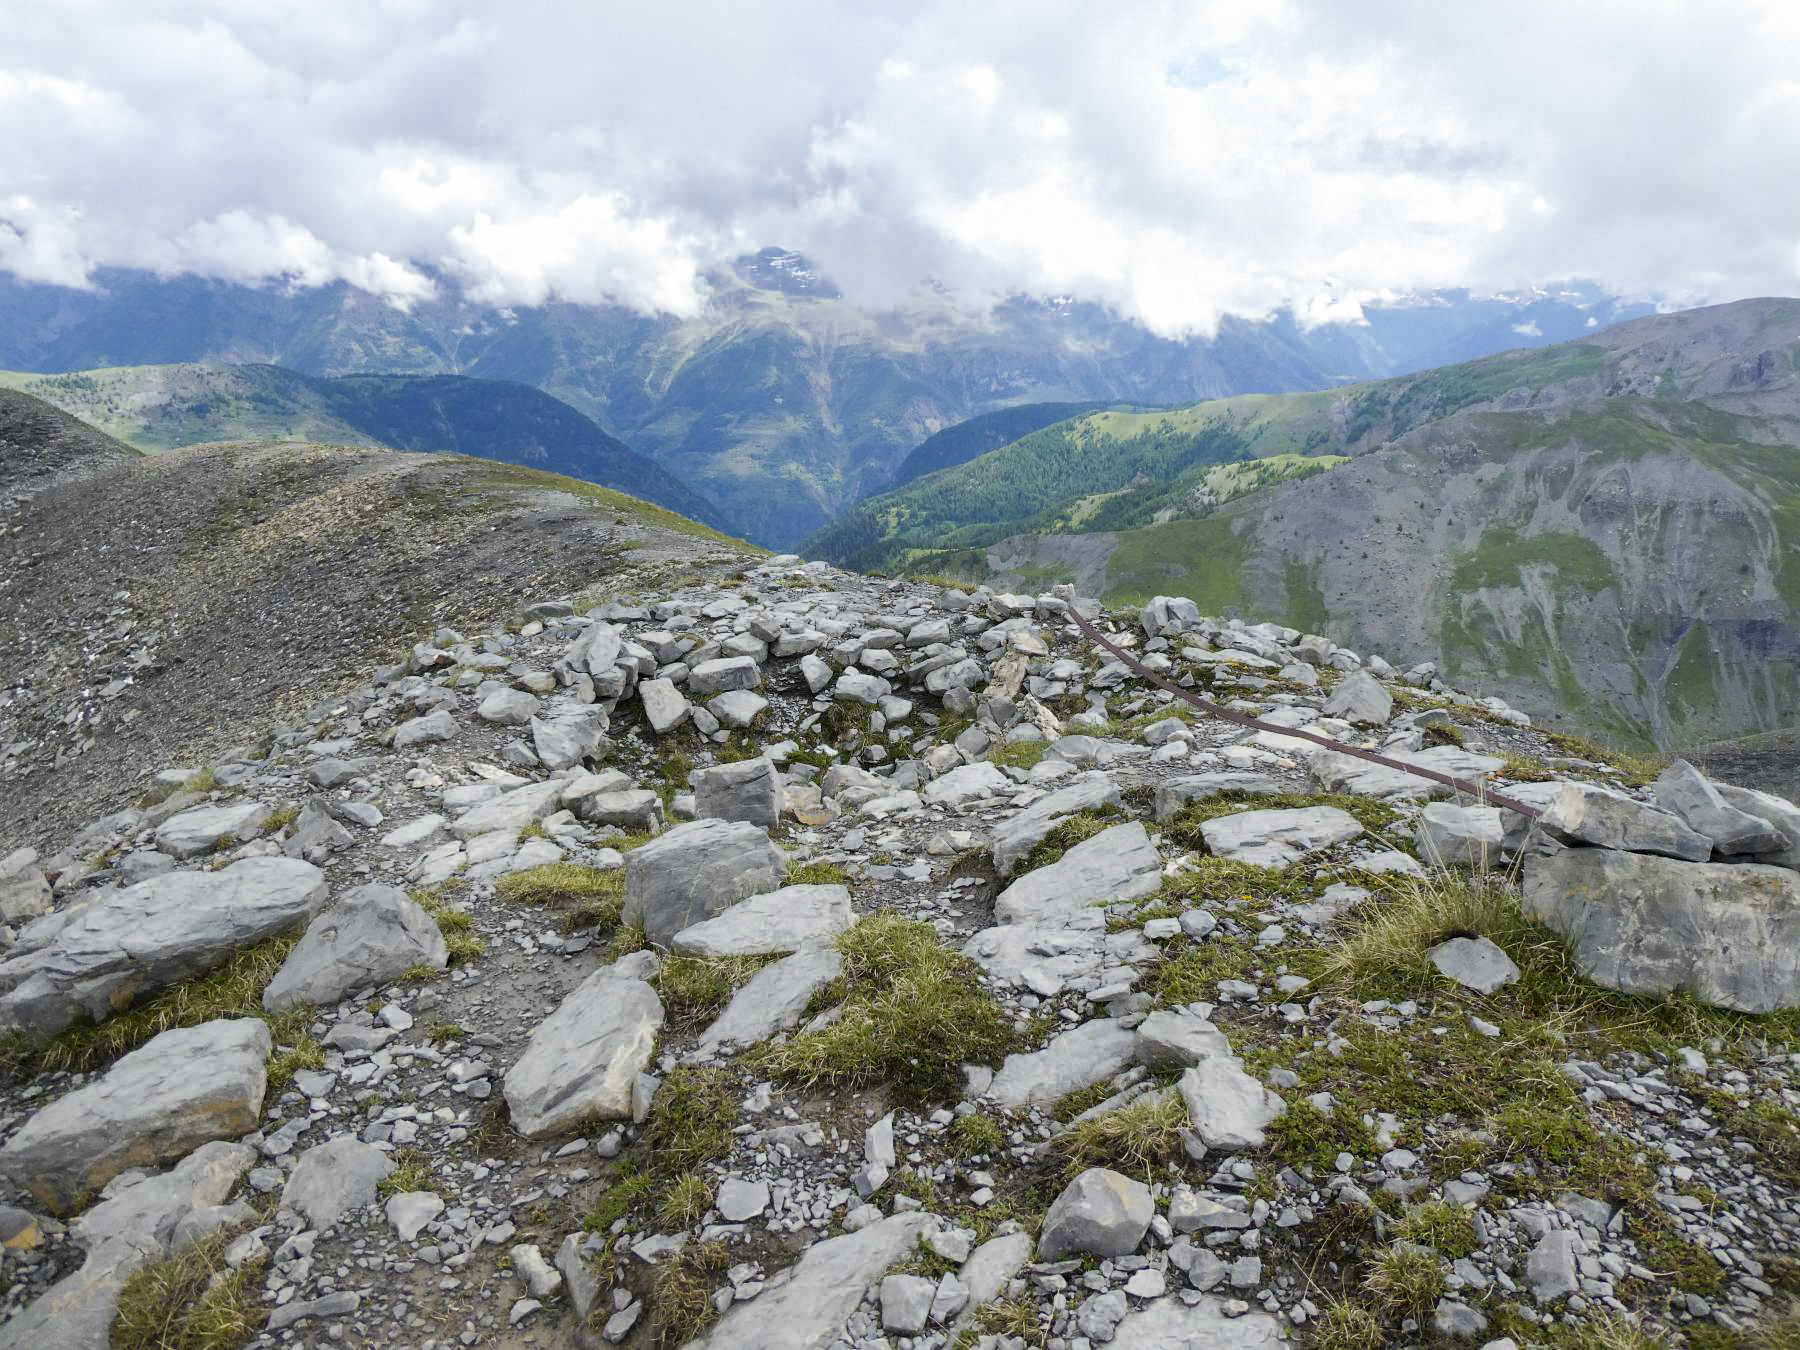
[(1479, 791)]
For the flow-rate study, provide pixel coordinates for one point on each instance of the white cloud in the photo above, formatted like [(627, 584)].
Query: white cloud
[(1528, 329), (1178, 161)]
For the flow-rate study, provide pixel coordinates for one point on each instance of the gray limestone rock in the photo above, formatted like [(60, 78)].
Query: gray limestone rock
[(24, 893), (1584, 813), (1473, 962), (140, 1221), (1550, 1267), (368, 937), (432, 727), (512, 810), (772, 1000), (1460, 836), (1277, 838), (696, 871), (1685, 792), (1177, 1040), (1099, 1213), (508, 707), (1779, 812), (1360, 698), (665, 708), (737, 708), (723, 675), (1334, 772), (628, 809), (205, 828), (583, 1060), (1176, 794), (1641, 924), (1228, 1108), (1170, 1324), (333, 1178), (410, 1211), (966, 783), (1117, 864), (749, 790), (1078, 1058), (177, 1091), (95, 958), (1023, 831), (781, 921), (906, 1303), (808, 1309)]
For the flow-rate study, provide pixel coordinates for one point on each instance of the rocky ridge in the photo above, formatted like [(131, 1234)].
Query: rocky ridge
[(581, 945)]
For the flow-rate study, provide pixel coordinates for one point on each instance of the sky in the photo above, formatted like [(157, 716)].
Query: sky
[(1178, 162)]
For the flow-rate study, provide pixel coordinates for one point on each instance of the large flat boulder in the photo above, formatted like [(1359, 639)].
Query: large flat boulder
[(1099, 1213), (967, 782), (781, 921), (1278, 838), (370, 936), (1587, 814), (1048, 959), (1115, 865), (1335, 772), (94, 959), (1779, 812), (1727, 933), (1024, 831), (1684, 791), (201, 829), (1228, 1108), (806, 1306), (582, 1061), (695, 871), (177, 1091), (333, 1178)]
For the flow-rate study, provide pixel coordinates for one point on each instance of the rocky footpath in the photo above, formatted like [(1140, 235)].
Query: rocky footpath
[(803, 959)]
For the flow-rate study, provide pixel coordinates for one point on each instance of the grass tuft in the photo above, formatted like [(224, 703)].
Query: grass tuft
[(694, 989), (304, 1054), (587, 896), (685, 1200), (690, 1120), (412, 1172), (1140, 1138), (817, 874), (976, 1134), (914, 1012), (681, 1305), (190, 1301), (1404, 1280)]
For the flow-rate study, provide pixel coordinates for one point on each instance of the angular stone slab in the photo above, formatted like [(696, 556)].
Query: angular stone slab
[(204, 828), (1118, 864), (1170, 1324), (1175, 795), (1587, 814), (806, 1306), (583, 1060), (1684, 791), (1228, 1108), (175, 1092), (1460, 836), (1779, 812), (370, 936), (967, 782), (512, 810), (97, 958), (1278, 838), (1078, 1058), (1017, 836), (696, 871), (1099, 1213), (749, 790), (781, 921), (1727, 933), (333, 1178), (1334, 772), (774, 999)]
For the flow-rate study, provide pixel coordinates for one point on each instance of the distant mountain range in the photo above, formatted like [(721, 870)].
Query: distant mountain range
[(1605, 531), (160, 407), (782, 402)]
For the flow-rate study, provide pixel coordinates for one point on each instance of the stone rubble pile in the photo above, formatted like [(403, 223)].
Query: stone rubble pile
[(412, 1163)]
